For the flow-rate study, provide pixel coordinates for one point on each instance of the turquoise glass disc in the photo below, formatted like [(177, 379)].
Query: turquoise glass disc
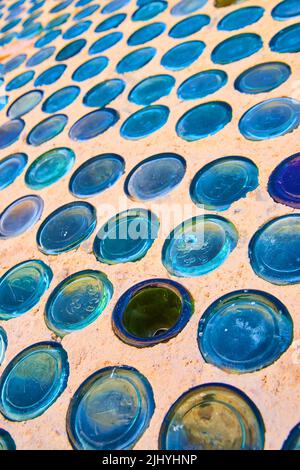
[(22, 286), (274, 250), (3, 346), (10, 132), (271, 118), (70, 50), (186, 7), (262, 77), (11, 167), (93, 124), (212, 417), (149, 10), (20, 80), (236, 48), (47, 129), (60, 99), (49, 167), (136, 60), (77, 29), (77, 301), (292, 442), (202, 84), (126, 237), (155, 176), (146, 33), (241, 18), (245, 331), (188, 26), (96, 175), (199, 245), (50, 75), (6, 441), (66, 228), (286, 40), (90, 69), (204, 120), (106, 42), (48, 38), (33, 381), (183, 55), (144, 122), (286, 10), (103, 93), (110, 23), (151, 89), (20, 216), (223, 181), (24, 104), (85, 12), (110, 410)]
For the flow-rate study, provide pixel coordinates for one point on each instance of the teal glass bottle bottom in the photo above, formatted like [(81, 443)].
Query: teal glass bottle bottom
[(151, 89), (60, 99), (6, 441), (292, 442), (236, 48), (3, 344), (103, 93), (144, 122), (47, 129)]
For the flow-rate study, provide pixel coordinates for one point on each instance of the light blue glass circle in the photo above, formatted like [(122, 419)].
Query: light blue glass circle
[(20, 216), (57, 21), (236, 48), (3, 100), (151, 89), (241, 18), (186, 7), (14, 63), (20, 80), (287, 40), (24, 104), (150, 10), (188, 26), (85, 12), (136, 60), (202, 84), (33, 29), (111, 22), (93, 124), (77, 29), (48, 38), (3, 346), (146, 34), (144, 122), (60, 99), (90, 69), (105, 42), (262, 77), (50, 75), (286, 10), (113, 6), (40, 56), (103, 93), (6, 441), (182, 55), (61, 6), (70, 50), (22, 287), (10, 132), (11, 167), (47, 129)]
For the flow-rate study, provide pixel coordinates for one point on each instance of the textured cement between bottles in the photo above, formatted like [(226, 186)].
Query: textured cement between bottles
[(173, 367)]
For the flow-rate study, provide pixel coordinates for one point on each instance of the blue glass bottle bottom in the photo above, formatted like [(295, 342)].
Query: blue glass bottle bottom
[(189, 26), (286, 10), (135, 60), (20, 216), (284, 182), (236, 48), (24, 104), (103, 93), (77, 29), (3, 346), (90, 69), (202, 84), (110, 23), (292, 442), (241, 18), (60, 99), (93, 124), (50, 75), (47, 129), (151, 89), (262, 77), (150, 10), (287, 40), (20, 80), (40, 56), (10, 132), (144, 122), (182, 55), (11, 167), (105, 42), (145, 34), (186, 7), (6, 441)]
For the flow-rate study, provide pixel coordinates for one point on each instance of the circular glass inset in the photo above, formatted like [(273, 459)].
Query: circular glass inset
[(245, 331), (293, 440), (50, 75), (49, 167), (60, 99), (70, 50), (262, 77), (106, 42), (14, 63), (113, 6), (90, 69), (24, 104), (144, 122), (48, 38), (236, 48), (85, 12), (149, 10), (40, 56), (111, 22), (96, 174), (212, 417), (135, 60), (110, 410), (103, 93), (3, 346), (33, 381), (151, 89), (182, 55), (204, 120), (223, 181), (199, 245), (274, 250), (241, 18), (57, 21), (11, 167), (20, 80), (186, 7), (20, 216), (155, 176), (6, 441), (188, 26), (77, 301), (202, 84), (286, 40), (22, 287), (146, 33), (47, 129), (151, 312), (271, 118), (284, 182), (93, 124), (126, 237), (286, 10), (77, 29)]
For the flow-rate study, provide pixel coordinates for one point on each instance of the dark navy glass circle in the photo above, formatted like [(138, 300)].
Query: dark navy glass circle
[(148, 11), (40, 56), (20, 80), (151, 89), (113, 6), (60, 99), (66, 228), (50, 75), (103, 93), (245, 331), (85, 12), (48, 38), (155, 176), (92, 425), (111, 22), (71, 49), (286, 10), (22, 287), (286, 40), (271, 118), (146, 33), (93, 124), (144, 122), (204, 120), (241, 18), (202, 84), (96, 175), (274, 250), (11, 167), (136, 60), (90, 68), (14, 63), (186, 7), (77, 29), (236, 48), (20, 216), (223, 181), (164, 328), (33, 381), (106, 42), (6, 441), (284, 182), (188, 26), (10, 132), (262, 77), (47, 129), (24, 104), (183, 55), (292, 442)]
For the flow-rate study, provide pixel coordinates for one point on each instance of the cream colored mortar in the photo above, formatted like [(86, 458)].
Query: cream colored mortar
[(173, 367)]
